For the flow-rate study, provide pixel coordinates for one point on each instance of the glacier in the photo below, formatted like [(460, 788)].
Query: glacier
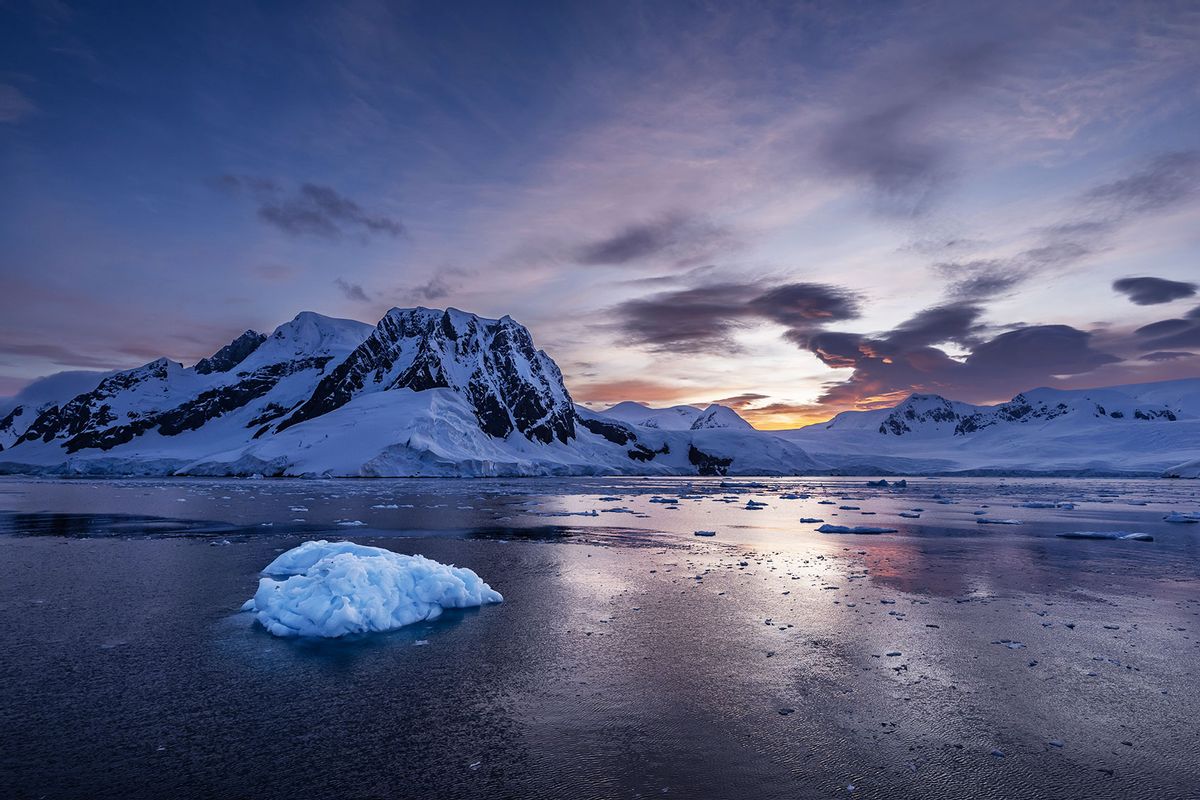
[(334, 589)]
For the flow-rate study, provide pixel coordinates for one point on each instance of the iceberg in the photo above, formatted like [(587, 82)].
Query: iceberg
[(332, 589)]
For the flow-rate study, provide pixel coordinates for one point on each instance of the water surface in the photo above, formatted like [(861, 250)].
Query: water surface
[(629, 659)]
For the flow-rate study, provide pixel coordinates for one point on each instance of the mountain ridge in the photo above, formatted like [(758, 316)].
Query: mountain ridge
[(423, 392)]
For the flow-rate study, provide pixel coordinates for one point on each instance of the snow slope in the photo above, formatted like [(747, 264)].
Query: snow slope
[(677, 418)]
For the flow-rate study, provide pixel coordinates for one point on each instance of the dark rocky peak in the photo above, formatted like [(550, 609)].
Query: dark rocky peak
[(511, 385), (919, 410), (231, 354)]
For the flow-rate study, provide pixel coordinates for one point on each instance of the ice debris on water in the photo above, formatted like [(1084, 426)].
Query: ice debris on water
[(827, 528), (1123, 536), (332, 589)]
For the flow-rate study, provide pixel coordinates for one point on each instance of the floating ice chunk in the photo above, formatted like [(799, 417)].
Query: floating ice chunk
[(910, 515), (1035, 504), (990, 521), (811, 520), (827, 528), (331, 589), (705, 533), (1182, 516), (350, 523), (1131, 536)]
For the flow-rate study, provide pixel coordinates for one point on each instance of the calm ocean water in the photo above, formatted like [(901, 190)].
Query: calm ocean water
[(630, 658)]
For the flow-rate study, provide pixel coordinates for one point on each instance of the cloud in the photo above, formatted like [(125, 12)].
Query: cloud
[(441, 285), (888, 136), (310, 210), (1167, 355), (1149, 291), (435, 288), (1092, 219), (1164, 181), (352, 291), (984, 278), (887, 366), (642, 391), (741, 402), (1170, 334), (57, 354), (14, 105), (681, 238), (702, 318)]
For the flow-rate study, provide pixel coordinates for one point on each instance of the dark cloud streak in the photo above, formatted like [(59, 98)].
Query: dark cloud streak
[(1148, 291), (311, 210), (701, 318)]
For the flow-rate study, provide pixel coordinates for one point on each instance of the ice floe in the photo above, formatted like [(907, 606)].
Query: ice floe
[(332, 589)]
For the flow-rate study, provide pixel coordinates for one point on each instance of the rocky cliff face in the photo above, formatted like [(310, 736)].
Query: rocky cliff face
[(166, 398), (511, 385), (231, 354)]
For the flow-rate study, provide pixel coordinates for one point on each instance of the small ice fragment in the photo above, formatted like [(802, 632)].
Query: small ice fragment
[(1123, 536)]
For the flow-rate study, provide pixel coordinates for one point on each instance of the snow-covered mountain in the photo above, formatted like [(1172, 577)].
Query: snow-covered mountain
[(447, 393), (424, 392), (677, 418), (19, 411), (1141, 428)]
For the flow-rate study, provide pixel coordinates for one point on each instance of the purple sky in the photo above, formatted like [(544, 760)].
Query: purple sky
[(795, 208)]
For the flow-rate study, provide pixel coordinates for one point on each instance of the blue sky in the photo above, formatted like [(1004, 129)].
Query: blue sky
[(799, 208)]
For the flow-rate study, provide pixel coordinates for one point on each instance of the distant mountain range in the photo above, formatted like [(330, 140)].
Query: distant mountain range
[(430, 392), (1146, 428), (424, 392)]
